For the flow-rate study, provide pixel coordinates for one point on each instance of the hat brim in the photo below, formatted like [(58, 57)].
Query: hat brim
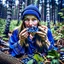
[(31, 12)]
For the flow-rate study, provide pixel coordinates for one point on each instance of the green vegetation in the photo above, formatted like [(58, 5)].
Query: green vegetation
[(62, 13), (59, 33), (52, 54), (13, 24), (2, 26), (3, 23)]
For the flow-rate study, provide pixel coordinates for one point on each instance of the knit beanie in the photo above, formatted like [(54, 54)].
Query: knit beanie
[(31, 10)]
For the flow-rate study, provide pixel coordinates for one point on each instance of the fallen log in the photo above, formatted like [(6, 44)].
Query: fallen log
[(8, 59), (3, 43)]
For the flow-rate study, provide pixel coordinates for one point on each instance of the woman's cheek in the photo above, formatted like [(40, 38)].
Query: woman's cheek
[(35, 23), (26, 24)]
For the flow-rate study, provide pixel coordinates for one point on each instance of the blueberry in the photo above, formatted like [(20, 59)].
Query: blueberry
[(33, 29)]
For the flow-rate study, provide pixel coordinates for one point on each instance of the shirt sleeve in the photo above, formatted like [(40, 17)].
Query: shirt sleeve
[(50, 38), (15, 47)]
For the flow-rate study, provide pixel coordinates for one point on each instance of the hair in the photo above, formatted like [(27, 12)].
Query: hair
[(38, 38)]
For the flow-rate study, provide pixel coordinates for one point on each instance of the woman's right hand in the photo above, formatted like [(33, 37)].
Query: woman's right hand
[(23, 35)]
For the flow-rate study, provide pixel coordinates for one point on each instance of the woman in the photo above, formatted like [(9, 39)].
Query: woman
[(25, 39)]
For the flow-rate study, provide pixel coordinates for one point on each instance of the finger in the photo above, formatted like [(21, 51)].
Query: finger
[(25, 34), (23, 30), (42, 36), (41, 33), (21, 37), (42, 29), (45, 27)]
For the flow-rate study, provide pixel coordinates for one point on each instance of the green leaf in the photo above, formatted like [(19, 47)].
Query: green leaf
[(51, 57), (62, 49), (37, 57), (30, 61), (53, 54), (55, 61), (60, 13)]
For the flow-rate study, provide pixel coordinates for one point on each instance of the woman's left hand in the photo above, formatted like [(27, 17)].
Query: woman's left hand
[(42, 32)]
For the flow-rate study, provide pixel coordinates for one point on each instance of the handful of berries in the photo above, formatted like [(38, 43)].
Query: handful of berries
[(33, 29)]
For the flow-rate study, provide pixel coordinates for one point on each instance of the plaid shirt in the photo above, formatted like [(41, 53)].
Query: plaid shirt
[(16, 48)]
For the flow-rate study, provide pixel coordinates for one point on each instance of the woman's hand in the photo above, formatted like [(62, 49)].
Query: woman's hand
[(42, 32), (23, 35)]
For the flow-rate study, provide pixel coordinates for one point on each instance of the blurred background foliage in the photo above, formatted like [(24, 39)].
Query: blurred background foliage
[(52, 15), (57, 33)]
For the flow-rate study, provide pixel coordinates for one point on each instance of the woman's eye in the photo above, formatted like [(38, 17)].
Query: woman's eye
[(34, 19), (26, 19)]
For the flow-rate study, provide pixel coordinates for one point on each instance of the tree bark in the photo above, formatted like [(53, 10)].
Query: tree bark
[(8, 59)]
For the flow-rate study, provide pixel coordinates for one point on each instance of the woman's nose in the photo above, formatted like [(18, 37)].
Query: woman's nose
[(30, 23)]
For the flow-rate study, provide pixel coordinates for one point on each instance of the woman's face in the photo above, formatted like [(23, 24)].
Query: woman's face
[(30, 21)]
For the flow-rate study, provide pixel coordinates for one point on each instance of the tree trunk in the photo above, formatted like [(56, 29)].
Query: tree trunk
[(8, 59), (19, 11), (48, 13), (45, 10), (9, 16)]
